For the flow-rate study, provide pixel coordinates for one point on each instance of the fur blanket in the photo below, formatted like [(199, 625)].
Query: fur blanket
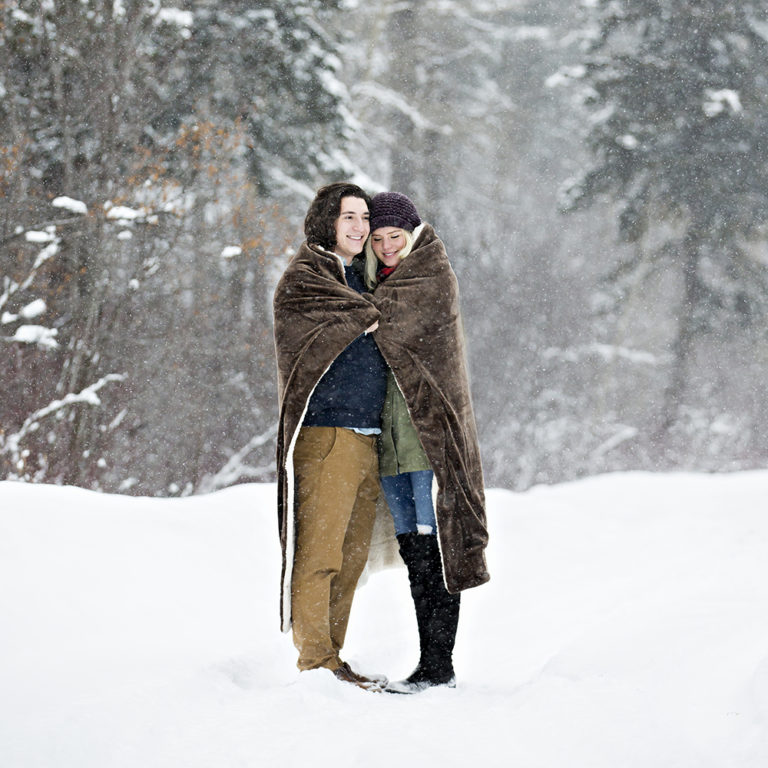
[(420, 335), (317, 315)]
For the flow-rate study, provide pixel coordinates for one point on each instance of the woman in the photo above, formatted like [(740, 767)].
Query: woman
[(428, 429)]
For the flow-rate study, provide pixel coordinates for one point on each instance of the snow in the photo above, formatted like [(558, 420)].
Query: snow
[(18, 15), (230, 251), (565, 75), (33, 236), (626, 624), (124, 213), (718, 101), (628, 141), (607, 352), (176, 16), (392, 98), (36, 334), (35, 308), (69, 204)]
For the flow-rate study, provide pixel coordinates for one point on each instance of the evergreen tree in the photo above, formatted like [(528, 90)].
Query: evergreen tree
[(273, 65), (679, 101)]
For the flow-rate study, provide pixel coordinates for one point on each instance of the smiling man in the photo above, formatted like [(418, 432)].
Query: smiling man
[(332, 383)]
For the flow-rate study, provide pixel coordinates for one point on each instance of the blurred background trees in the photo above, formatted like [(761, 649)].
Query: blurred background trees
[(595, 171)]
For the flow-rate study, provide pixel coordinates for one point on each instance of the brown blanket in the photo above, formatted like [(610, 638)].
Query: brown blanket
[(317, 315), (421, 337)]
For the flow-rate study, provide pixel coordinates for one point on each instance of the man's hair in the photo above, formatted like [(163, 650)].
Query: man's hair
[(319, 223)]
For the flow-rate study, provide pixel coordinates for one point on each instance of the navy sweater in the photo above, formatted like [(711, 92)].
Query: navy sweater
[(352, 391)]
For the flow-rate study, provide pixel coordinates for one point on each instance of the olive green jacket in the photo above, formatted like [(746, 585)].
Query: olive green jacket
[(399, 445)]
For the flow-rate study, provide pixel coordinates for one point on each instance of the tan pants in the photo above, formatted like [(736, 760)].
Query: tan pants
[(337, 484)]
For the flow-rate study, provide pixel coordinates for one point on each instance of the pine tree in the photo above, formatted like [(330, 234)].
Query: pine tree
[(273, 65), (679, 119)]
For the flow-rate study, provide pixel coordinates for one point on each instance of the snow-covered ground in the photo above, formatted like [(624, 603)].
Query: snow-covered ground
[(625, 626)]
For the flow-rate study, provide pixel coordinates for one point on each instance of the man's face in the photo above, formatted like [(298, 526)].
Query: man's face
[(352, 228)]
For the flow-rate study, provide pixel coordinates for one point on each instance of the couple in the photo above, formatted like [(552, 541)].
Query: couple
[(374, 394)]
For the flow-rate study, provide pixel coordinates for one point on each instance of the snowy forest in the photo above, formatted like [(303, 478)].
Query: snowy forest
[(598, 171)]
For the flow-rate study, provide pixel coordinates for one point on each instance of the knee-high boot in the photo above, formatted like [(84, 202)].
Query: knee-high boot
[(437, 614)]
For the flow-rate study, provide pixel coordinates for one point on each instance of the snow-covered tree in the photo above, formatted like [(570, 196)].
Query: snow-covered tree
[(678, 96), (31, 407), (166, 153), (161, 121), (274, 66)]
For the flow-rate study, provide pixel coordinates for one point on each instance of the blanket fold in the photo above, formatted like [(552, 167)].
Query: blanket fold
[(316, 315), (421, 337)]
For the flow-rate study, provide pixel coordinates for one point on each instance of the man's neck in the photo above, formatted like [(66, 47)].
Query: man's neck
[(346, 260)]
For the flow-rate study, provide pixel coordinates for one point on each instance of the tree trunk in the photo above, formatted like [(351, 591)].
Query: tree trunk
[(404, 68), (683, 346)]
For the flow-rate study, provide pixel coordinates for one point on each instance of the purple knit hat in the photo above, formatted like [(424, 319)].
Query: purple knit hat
[(391, 209)]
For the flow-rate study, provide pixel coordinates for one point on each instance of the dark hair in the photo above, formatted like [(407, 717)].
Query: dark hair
[(319, 223)]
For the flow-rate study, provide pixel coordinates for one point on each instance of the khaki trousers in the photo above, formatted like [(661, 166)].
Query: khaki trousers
[(337, 484)]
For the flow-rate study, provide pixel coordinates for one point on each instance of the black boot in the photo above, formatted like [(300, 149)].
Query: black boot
[(437, 615)]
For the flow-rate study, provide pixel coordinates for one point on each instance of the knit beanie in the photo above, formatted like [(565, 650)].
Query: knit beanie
[(391, 209)]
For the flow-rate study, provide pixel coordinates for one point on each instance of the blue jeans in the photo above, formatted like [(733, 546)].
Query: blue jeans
[(409, 497)]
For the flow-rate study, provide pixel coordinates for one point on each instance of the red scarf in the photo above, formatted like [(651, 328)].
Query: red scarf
[(384, 272)]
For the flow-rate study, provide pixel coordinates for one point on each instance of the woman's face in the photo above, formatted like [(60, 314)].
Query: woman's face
[(387, 242)]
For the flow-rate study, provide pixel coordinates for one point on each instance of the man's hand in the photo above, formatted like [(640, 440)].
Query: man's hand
[(372, 328)]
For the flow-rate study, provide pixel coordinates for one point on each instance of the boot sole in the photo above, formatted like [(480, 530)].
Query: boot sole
[(407, 688)]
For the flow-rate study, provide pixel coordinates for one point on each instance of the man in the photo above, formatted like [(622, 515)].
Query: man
[(331, 384)]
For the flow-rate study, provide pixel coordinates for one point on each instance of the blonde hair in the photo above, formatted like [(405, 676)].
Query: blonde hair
[(372, 263)]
